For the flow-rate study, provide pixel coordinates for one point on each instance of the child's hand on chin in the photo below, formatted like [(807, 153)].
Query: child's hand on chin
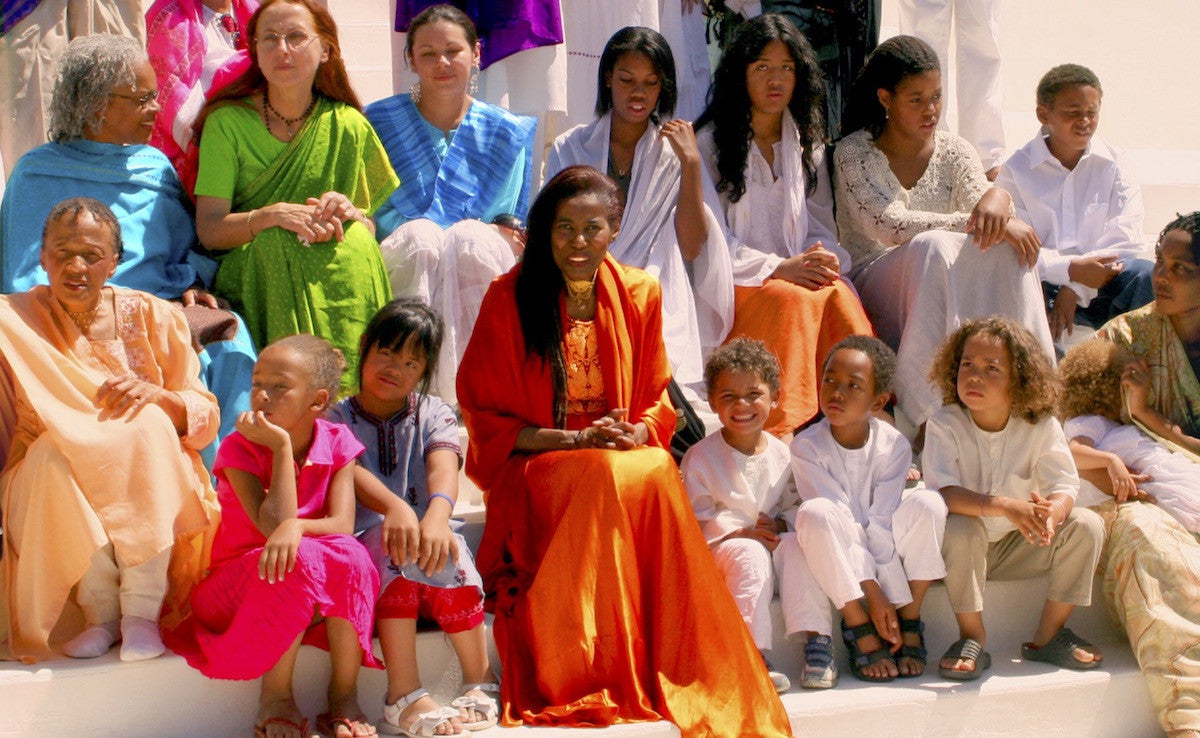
[(255, 427)]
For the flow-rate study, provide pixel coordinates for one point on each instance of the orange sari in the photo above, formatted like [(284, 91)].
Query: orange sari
[(801, 326), (608, 605)]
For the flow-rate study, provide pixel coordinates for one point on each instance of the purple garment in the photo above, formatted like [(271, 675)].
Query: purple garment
[(12, 11), (504, 26)]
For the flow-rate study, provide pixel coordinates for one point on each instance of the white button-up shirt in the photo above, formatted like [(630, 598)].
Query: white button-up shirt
[(1093, 209)]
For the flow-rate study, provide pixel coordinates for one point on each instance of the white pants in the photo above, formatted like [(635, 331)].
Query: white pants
[(450, 270), (827, 558), (978, 89), (109, 589), (746, 566), (918, 293)]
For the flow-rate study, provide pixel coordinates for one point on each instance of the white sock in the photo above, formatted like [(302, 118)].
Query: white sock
[(140, 639), (95, 640)]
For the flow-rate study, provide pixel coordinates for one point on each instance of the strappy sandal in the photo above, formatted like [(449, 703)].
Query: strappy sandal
[(915, 653), (819, 670), (962, 649), (425, 724), (859, 659), (328, 724), (1060, 651), (260, 729), (487, 705)]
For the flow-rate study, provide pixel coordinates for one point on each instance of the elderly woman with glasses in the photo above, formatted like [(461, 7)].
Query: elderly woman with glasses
[(290, 175), (104, 107)]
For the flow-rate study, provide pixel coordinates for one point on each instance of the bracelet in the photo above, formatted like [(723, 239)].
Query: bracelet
[(250, 214), (444, 496)]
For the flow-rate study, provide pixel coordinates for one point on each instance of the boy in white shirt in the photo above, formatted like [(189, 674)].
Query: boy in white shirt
[(1071, 187), (740, 481), (862, 542)]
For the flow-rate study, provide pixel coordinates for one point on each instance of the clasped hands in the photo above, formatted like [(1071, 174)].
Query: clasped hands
[(1034, 517), (765, 530), (613, 431), (319, 219)]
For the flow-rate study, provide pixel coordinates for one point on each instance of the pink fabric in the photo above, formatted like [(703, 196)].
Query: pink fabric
[(175, 43), (241, 625)]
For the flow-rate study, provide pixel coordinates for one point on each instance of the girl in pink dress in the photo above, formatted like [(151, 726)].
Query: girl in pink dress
[(285, 568)]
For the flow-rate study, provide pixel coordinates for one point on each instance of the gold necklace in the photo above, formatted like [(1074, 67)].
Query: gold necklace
[(82, 320), (580, 291)]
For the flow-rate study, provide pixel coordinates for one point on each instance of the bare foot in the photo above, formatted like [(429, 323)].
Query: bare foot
[(280, 718)]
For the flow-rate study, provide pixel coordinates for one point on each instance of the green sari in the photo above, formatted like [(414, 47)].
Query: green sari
[(278, 284), (1151, 563)]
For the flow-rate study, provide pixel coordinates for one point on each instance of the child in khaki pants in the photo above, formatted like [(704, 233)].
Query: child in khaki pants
[(1002, 463)]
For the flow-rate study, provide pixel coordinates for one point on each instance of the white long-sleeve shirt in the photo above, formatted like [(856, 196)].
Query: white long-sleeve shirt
[(1094, 209), (729, 489), (1015, 462), (867, 481)]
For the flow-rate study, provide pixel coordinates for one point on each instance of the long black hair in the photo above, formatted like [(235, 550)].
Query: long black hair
[(639, 40), (539, 282), (889, 64), (729, 101)]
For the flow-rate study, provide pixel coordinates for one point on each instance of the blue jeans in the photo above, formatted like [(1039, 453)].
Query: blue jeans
[(1129, 290)]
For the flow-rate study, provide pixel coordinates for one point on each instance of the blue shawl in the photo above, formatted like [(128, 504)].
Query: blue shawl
[(137, 182), (471, 182)]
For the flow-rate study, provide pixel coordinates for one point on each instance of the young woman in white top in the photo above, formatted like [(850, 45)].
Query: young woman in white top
[(906, 195), (762, 139)]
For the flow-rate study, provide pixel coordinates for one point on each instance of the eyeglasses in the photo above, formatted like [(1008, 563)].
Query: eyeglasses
[(294, 41), (141, 100)]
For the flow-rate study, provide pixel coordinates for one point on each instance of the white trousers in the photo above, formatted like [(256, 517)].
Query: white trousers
[(978, 87), (746, 566), (919, 292), (826, 560), (109, 589), (450, 270)]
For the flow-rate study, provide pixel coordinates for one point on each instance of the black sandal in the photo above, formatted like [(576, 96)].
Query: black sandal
[(915, 653), (960, 650), (859, 659)]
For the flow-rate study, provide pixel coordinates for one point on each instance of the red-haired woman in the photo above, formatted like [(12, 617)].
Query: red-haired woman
[(290, 174)]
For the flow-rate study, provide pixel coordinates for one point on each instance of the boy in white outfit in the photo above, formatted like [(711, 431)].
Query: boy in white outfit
[(1072, 187), (862, 542), (740, 482)]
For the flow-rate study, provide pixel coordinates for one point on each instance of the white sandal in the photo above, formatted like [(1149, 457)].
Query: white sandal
[(488, 705), (425, 724)]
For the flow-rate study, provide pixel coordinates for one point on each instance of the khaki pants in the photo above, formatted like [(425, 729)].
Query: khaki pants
[(1070, 559), (110, 589)]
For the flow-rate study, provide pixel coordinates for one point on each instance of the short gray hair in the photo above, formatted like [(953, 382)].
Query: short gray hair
[(89, 69)]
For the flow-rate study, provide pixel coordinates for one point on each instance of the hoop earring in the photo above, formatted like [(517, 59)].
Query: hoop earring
[(414, 92), (473, 82)]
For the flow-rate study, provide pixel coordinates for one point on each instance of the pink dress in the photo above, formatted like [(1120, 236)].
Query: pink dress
[(241, 625)]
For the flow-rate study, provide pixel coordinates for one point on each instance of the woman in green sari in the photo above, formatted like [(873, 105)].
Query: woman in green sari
[(1151, 564), (290, 174)]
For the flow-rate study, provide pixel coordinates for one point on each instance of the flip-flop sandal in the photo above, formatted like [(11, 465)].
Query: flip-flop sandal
[(965, 648), (1060, 651), (260, 729), (488, 705), (915, 653), (859, 659), (327, 724)]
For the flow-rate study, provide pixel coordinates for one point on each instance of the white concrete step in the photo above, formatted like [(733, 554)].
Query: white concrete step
[(165, 697)]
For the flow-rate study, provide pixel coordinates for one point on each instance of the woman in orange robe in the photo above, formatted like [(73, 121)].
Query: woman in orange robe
[(608, 606)]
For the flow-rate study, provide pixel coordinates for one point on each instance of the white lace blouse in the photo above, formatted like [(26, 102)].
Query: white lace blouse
[(874, 211)]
